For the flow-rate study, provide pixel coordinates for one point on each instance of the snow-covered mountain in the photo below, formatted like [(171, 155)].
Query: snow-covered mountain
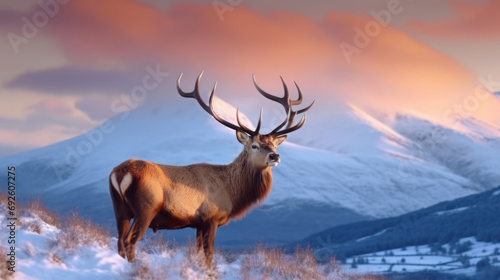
[(344, 165)]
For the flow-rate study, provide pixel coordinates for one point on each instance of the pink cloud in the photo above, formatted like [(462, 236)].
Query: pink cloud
[(53, 111), (53, 106), (393, 71), (191, 36), (471, 21)]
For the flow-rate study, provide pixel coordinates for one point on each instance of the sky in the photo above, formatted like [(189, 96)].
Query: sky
[(67, 65)]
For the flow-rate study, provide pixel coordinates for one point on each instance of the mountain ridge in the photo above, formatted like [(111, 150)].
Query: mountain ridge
[(353, 165), (477, 215)]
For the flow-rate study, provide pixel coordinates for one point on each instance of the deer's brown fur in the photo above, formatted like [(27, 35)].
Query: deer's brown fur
[(202, 196)]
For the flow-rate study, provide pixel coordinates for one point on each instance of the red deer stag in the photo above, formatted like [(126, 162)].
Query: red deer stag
[(201, 196)]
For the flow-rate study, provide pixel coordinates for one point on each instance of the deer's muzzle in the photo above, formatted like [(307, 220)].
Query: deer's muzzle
[(274, 159)]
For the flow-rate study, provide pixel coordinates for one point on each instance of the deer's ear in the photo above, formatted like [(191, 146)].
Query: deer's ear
[(279, 140), (243, 138)]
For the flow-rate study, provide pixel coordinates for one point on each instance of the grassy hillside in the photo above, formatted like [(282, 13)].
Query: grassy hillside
[(72, 247)]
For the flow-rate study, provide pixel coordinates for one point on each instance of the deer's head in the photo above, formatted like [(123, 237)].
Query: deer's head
[(261, 148)]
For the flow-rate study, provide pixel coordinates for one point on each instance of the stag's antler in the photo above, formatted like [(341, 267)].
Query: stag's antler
[(287, 104), (285, 101), (210, 109)]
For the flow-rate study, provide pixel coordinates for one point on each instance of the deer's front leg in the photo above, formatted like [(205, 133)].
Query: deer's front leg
[(199, 239), (208, 241)]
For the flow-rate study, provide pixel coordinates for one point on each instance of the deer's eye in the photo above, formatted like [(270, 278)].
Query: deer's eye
[(255, 147)]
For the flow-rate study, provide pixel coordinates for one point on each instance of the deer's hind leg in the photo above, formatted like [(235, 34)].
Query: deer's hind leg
[(123, 224), (137, 230), (123, 217)]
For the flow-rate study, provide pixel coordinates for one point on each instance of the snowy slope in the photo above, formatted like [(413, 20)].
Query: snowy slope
[(476, 216), (459, 237), (46, 248), (423, 259), (343, 165)]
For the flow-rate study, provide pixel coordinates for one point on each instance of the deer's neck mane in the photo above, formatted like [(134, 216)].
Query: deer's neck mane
[(248, 185)]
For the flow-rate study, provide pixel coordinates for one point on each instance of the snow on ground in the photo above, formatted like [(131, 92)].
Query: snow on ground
[(419, 258), (79, 250), (373, 235), (452, 211), (43, 252)]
